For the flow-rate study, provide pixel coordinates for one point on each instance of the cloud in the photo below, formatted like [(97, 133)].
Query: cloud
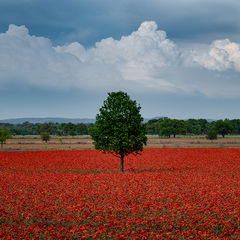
[(133, 59), (145, 60), (221, 55), (32, 60)]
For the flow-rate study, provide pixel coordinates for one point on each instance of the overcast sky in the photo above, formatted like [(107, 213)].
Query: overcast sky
[(178, 58)]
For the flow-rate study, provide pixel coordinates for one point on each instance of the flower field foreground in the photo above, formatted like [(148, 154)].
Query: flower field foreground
[(164, 194)]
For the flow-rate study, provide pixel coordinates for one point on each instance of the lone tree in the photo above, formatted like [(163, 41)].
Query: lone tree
[(4, 135), (45, 136), (118, 128), (211, 134), (223, 127)]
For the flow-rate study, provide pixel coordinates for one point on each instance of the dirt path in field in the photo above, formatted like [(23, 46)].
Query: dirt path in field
[(86, 143), (194, 143), (38, 144)]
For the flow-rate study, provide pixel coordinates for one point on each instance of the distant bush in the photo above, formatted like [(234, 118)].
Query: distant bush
[(211, 134), (45, 136)]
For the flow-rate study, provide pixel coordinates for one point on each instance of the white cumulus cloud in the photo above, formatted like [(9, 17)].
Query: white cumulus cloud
[(145, 60), (135, 58), (221, 55)]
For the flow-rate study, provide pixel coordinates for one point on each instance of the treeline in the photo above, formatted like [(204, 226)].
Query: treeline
[(165, 127), (62, 129), (171, 127)]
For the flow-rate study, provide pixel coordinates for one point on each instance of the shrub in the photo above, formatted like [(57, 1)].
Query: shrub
[(45, 136), (211, 134)]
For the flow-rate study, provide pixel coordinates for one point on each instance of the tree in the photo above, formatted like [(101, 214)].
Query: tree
[(118, 128), (165, 128), (192, 126), (211, 134), (45, 136), (69, 129), (173, 127), (153, 126), (235, 126), (223, 127), (81, 129), (4, 135), (203, 124), (48, 127)]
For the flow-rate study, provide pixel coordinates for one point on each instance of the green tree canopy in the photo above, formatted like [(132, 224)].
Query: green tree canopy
[(223, 127), (45, 136), (4, 135), (211, 134), (119, 129), (173, 127), (48, 127)]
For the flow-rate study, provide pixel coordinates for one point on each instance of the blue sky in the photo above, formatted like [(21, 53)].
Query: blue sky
[(179, 58)]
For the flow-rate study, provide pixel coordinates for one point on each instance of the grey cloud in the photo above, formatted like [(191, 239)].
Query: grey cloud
[(90, 21), (145, 60), (198, 20), (66, 20)]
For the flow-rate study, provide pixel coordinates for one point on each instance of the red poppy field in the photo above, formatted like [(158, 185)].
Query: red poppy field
[(80, 194)]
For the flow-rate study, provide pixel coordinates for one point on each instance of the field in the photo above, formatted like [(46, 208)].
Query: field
[(85, 142), (80, 194)]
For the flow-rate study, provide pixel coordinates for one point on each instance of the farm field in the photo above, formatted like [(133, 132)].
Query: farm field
[(85, 142), (80, 194)]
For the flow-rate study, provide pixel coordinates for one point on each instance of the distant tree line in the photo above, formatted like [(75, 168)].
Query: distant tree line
[(171, 127), (164, 127), (60, 129)]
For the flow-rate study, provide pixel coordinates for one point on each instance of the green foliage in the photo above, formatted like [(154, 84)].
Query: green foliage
[(173, 127), (153, 126), (66, 129), (48, 128), (45, 136), (191, 127), (211, 134), (81, 129), (69, 129), (168, 127), (223, 127), (235, 123), (4, 135), (60, 139), (119, 129), (203, 125), (196, 126)]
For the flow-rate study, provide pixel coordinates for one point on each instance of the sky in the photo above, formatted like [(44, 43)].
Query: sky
[(177, 59)]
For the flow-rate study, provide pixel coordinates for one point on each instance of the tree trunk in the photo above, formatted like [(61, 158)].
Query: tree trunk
[(122, 158)]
